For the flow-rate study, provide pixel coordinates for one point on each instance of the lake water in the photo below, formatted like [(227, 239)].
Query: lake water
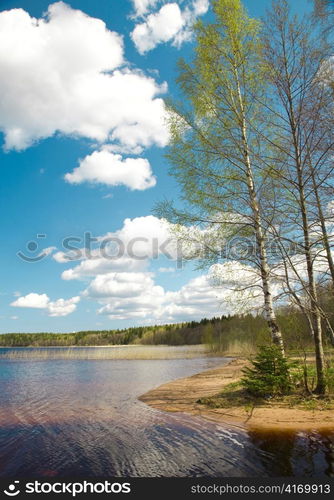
[(82, 418)]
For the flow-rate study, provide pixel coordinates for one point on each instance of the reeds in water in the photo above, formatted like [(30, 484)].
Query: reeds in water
[(105, 353)]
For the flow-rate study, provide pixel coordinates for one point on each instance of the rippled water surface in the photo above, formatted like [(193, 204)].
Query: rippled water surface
[(82, 418)]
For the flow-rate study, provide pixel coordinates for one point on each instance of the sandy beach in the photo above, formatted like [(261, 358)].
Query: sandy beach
[(182, 396)]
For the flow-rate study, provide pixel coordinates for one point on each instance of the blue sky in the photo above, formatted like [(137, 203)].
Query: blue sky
[(83, 140)]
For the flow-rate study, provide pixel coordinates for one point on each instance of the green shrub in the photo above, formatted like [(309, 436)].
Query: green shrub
[(269, 375)]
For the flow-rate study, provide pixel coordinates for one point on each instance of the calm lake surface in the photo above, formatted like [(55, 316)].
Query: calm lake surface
[(81, 417)]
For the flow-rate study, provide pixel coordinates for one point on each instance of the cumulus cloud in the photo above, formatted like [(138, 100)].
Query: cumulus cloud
[(136, 295), (46, 251), (99, 265), (62, 257), (123, 286), (142, 6), (128, 248), (146, 237), (200, 7), (33, 300), (120, 285), (170, 23), (103, 167), (66, 73), (220, 291), (60, 307), (159, 27), (127, 295)]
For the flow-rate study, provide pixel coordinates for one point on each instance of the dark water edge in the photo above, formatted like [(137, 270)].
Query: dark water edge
[(82, 418)]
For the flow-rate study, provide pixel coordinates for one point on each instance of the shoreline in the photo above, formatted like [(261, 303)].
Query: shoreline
[(181, 396)]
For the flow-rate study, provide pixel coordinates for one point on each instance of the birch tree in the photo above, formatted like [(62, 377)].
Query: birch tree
[(217, 152), (304, 146)]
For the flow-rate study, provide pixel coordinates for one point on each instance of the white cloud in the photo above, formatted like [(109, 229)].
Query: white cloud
[(142, 6), (200, 7), (168, 24), (103, 167), (33, 300), (102, 265), (66, 73), (133, 293), (64, 257), (129, 248), (137, 296), (218, 292), (120, 285), (60, 307), (159, 27), (127, 295), (46, 251), (146, 237), (125, 289)]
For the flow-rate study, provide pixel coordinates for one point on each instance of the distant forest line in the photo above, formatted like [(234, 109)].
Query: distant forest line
[(239, 334)]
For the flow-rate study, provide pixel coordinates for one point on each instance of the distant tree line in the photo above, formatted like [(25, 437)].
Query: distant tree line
[(237, 334), (171, 334)]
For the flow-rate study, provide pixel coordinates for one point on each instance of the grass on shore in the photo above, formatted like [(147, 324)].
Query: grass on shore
[(234, 395)]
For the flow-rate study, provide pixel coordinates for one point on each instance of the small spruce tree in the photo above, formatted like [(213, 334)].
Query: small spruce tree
[(269, 375)]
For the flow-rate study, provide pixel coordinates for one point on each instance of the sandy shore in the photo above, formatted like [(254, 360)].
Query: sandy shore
[(181, 396)]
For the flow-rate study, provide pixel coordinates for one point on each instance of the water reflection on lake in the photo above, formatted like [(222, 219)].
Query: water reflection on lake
[(296, 454), (82, 418)]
